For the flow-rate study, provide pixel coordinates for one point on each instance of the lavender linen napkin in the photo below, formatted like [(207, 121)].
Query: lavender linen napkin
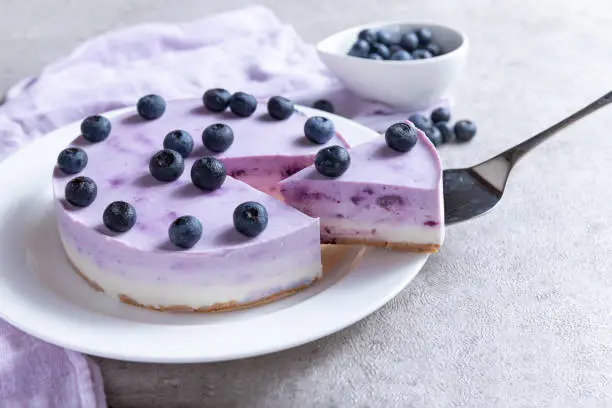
[(247, 49)]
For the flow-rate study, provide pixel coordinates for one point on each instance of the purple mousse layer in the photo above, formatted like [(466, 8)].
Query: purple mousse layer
[(381, 186)]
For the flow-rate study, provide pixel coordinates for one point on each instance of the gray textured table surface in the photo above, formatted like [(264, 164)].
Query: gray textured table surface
[(516, 309)]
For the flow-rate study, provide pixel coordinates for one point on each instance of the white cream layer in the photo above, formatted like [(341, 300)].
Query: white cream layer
[(412, 234), (168, 294)]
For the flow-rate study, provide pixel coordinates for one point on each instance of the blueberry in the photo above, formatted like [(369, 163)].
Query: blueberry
[(368, 35), (324, 105), (385, 37), (360, 48), (434, 135), (280, 108), (151, 107), (95, 128), (434, 49), (218, 137), (119, 216), (409, 41), (185, 231), (440, 114), (375, 56), (81, 191), (421, 54), (166, 165), (395, 48), (424, 35), (180, 141), (332, 161), (208, 173), (319, 129), (250, 219), (445, 131), (242, 104), (72, 160), (216, 99), (401, 137), (465, 130), (401, 56), (420, 121), (382, 50)]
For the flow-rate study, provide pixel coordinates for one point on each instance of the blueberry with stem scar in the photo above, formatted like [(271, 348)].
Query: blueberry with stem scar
[(185, 231), (119, 216), (72, 160), (250, 219)]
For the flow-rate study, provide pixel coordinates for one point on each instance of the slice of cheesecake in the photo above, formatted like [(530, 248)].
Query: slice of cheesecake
[(387, 196)]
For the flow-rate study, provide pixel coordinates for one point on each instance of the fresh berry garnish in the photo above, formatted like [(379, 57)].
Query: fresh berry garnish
[(385, 37), (166, 165), (382, 50), (434, 135), (185, 231), (401, 137), (424, 35), (465, 130), (95, 128), (440, 114), (151, 107), (72, 160), (250, 219), (375, 56), (81, 191), (360, 48), (420, 121), (208, 173), (119, 216), (421, 54), (434, 49), (324, 105), (319, 129), (401, 55), (409, 41), (368, 35), (216, 99), (445, 131), (280, 108), (180, 141), (332, 161), (242, 104), (218, 137)]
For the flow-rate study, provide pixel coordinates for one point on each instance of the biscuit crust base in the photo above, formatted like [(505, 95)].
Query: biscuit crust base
[(396, 246)]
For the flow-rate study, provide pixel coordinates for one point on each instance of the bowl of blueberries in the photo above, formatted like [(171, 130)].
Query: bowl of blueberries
[(406, 65)]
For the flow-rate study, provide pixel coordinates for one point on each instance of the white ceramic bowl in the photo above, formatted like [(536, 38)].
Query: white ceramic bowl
[(412, 84)]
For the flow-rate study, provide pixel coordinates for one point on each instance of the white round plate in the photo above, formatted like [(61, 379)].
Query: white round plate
[(42, 295)]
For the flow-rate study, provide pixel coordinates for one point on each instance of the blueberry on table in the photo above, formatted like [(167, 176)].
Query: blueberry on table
[(166, 165), (250, 219), (420, 121), (319, 129), (368, 35), (218, 137), (216, 99), (434, 135), (81, 191), (208, 173), (421, 54), (409, 41), (385, 37), (401, 137), (360, 48), (375, 56), (434, 49), (180, 141), (324, 105), (151, 107), (424, 35), (280, 108), (242, 104), (119, 216), (72, 160), (382, 50), (95, 128), (332, 161), (185, 231), (465, 130), (440, 114), (445, 131), (401, 55)]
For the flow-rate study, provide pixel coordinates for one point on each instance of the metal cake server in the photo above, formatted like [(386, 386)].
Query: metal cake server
[(474, 191)]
